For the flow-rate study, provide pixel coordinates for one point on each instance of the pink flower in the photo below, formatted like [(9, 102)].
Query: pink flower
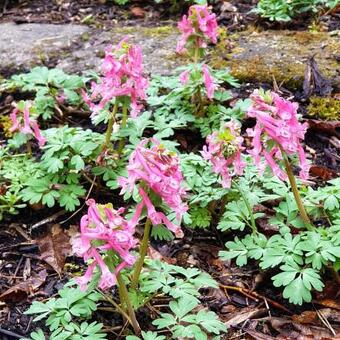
[(103, 229), (224, 151), (277, 128), (156, 169), (26, 124), (184, 77), (208, 81), (200, 25), (122, 71)]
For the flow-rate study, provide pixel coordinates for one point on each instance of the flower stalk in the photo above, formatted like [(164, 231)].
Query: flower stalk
[(125, 299), (122, 126), (108, 133), (307, 222), (142, 253)]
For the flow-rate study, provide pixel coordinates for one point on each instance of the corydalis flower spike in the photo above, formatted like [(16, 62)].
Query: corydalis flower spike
[(224, 151), (276, 121), (122, 71), (158, 170), (200, 24), (102, 229)]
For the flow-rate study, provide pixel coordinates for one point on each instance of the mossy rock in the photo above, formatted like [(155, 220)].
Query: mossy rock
[(324, 108), (263, 56)]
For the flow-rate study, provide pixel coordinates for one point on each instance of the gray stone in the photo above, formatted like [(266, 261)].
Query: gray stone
[(26, 45), (77, 48)]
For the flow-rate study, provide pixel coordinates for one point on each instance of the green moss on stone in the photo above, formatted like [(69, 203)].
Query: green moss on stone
[(263, 56), (161, 31), (324, 107)]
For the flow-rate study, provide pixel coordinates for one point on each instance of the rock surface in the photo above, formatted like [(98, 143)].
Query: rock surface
[(252, 56), (26, 45), (77, 48)]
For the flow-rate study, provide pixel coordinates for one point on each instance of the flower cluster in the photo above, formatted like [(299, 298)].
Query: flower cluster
[(122, 71), (103, 229), (198, 28), (156, 169), (224, 151), (27, 124), (277, 129)]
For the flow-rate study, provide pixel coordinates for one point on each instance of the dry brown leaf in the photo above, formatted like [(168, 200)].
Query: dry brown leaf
[(309, 316), (21, 290), (328, 303), (330, 127), (322, 172), (138, 12), (55, 247), (315, 81), (293, 330), (241, 317), (156, 255), (257, 335)]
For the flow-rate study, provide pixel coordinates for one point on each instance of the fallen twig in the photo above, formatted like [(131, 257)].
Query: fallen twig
[(10, 333), (255, 295), (48, 219)]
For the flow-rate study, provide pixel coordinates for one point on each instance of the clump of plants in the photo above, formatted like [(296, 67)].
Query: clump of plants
[(300, 250), (281, 10)]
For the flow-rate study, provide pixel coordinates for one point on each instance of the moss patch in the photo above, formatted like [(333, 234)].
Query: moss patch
[(325, 108), (262, 56), (160, 31)]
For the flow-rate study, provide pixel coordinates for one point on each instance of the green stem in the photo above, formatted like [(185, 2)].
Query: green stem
[(250, 210), (29, 147), (295, 190), (122, 126), (125, 296), (142, 253), (110, 126), (197, 50), (197, 96)]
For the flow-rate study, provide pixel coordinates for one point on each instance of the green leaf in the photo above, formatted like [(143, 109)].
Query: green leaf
[(53, 165), (165, 321), (331, 203), (38, 335), (236, 250), (78, 162), (182, 307)]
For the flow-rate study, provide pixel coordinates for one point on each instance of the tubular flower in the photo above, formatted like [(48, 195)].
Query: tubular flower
[(27, 125), (208, 82), (156, 169), (224, 151), (102, 229), (122, 72), (200, 26), (277, 129)]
